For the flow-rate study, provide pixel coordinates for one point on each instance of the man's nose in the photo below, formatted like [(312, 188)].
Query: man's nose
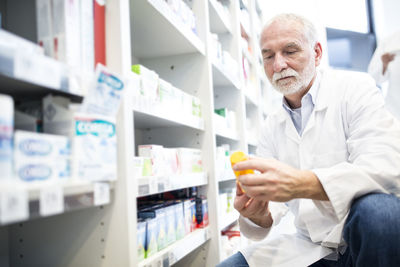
[(279, 63)]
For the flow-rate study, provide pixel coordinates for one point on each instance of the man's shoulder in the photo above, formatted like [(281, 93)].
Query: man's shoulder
[(345, 76)]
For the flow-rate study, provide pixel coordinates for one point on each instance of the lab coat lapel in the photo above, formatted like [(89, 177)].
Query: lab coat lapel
[(290, 130)]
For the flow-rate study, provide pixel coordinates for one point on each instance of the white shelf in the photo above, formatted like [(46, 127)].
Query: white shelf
[(222, 78), (251, 99), (227, 133), (76, 194), (228, 219), (225, 175), (154, 185), (219, 20), (24, 73), (247, 55), (166, 35), (153, 119), (178, 250)]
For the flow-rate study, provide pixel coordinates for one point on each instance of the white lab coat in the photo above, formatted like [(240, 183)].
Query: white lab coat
[(392, 74), (351, 143)]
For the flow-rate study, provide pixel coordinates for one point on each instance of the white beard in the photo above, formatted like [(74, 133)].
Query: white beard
[(296, 82)]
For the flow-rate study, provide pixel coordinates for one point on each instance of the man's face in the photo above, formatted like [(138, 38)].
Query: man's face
[(289, 60)]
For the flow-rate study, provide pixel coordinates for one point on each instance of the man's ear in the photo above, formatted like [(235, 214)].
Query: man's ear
[(318, 53)]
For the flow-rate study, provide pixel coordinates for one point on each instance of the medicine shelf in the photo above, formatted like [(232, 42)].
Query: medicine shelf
[(227, 133), (145, 120), (159, 184), (76, 195), (228, 218), (247, 55), (221, 77), (251, 99), (166, 35), (225, 175), (22, 75), (178, 250), (219, 20)]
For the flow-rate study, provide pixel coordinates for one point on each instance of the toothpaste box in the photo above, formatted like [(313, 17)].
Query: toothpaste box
[(94, 148), (39, 157), (105, 93), (171, 224), (179, 220), (141, 239), (152, 233), (201, 212), (39, 146)]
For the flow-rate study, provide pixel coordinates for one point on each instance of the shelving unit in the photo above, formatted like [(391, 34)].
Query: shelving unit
[(149, 33)]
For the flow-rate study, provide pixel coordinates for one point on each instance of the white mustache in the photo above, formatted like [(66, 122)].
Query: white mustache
[(283, 74)]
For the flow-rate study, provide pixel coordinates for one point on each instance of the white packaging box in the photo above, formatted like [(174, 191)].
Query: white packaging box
[(223, 203), (39, 157), (156, 153), (87, 36), (6, 136), (187, 210), (94, 148), (171, 160), (66, 32), (39, 170), (105, 93), (16, 42), (190, 160), (149, 83), (44, 26), (38, 146)]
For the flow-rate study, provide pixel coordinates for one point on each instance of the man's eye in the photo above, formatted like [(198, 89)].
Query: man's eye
[(268, 57), (290, 52)]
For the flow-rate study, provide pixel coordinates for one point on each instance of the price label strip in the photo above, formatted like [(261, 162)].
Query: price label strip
[(51, 200), (13, 205), (101, 194)]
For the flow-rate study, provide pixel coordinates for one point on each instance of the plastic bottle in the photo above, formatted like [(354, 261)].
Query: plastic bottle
[(235, 158)]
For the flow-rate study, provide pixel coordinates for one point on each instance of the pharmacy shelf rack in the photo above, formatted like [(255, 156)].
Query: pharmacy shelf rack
[(219, 20), (155, 185), (23, 74), (151, 118), (165, 34), (222, 78), (24, 202), (178, 249)]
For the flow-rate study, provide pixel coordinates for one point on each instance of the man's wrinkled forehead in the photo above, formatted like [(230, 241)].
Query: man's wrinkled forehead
[(292, 30)]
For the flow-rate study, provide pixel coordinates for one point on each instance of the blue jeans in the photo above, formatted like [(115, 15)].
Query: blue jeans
[(372, 232)]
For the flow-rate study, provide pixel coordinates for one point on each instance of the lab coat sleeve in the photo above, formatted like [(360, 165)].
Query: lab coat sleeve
[(375, 67), (373, 143), (254, 232)]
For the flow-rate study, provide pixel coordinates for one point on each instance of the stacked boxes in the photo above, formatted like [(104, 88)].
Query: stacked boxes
[(167, 222), (153, 94), (39, 157), (167, 161)]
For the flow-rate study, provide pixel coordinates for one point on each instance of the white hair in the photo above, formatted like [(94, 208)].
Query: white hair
[(309, 29)]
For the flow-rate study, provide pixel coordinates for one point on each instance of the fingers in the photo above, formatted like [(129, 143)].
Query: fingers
[(239, 190), (240, 202), (259, 164)]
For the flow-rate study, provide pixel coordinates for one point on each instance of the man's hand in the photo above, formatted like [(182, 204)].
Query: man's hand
[(255, 210), (386, 59), (278, 182)]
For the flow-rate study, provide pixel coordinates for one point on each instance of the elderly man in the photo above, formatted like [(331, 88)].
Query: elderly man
[(330, 155)]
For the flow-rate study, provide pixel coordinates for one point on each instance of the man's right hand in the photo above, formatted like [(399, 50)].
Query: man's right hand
[(255, 210)]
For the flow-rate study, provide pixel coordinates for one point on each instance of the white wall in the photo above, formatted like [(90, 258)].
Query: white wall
[(306, 8), (387, 17)]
